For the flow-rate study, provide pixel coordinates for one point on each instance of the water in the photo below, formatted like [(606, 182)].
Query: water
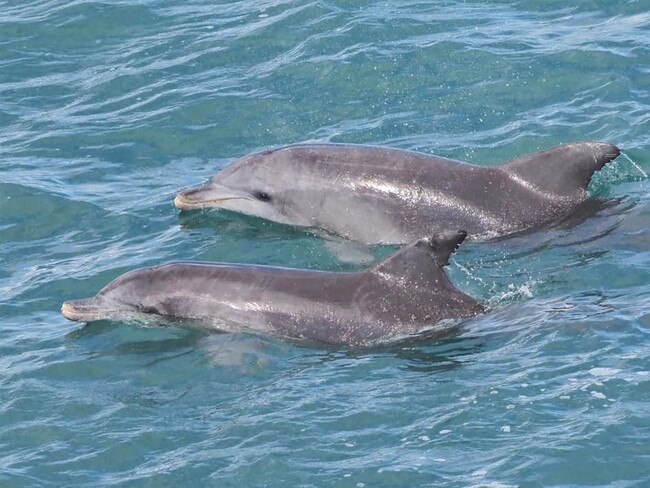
[(108, 109)]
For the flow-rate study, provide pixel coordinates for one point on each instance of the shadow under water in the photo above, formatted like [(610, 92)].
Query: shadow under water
[(240, 225), (592, 220), (432, 351)]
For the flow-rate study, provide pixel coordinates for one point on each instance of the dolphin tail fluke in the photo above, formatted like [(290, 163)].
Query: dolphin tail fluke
[(563, 170)]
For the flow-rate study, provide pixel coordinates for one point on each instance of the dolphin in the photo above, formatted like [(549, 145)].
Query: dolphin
[(379, 195), (404, 295)]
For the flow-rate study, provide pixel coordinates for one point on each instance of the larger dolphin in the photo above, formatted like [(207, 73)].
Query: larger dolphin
[(403, 295), (378, 195)]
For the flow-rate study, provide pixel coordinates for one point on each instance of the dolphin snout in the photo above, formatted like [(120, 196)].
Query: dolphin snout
[(86, 310), (206, 196), (604, 151), (190, 199)]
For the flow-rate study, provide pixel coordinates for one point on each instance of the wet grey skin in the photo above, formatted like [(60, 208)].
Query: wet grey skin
[(378, 195), (405, 294)]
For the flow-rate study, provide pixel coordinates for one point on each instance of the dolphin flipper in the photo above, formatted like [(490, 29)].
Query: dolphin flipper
[(563, 170)]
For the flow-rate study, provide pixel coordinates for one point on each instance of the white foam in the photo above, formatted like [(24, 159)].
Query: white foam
[(514, 292), (638, 168), (604, 372)]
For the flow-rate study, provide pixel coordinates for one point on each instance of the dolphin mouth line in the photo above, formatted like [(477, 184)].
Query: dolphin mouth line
[(183, 204)]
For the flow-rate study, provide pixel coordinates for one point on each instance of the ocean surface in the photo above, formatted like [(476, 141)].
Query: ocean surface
[(108, 108)]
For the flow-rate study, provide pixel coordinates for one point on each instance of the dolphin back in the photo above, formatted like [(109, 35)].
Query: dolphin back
[(563, 170)]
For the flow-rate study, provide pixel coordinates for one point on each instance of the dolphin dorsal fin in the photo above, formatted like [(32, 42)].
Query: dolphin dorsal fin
[(422, 255), (563, 170), (444, 244)]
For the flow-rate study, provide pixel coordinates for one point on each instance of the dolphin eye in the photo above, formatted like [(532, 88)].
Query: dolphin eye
[(145, 309), (262, 195)]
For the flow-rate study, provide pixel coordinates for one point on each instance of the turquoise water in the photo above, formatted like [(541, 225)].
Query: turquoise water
[(108, 109)]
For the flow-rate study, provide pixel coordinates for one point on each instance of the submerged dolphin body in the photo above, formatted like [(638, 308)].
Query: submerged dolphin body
[(378, 195), (403, 295)]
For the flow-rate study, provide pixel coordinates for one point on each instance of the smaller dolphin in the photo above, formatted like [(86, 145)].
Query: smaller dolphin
[(406, 294), (379, 195)]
